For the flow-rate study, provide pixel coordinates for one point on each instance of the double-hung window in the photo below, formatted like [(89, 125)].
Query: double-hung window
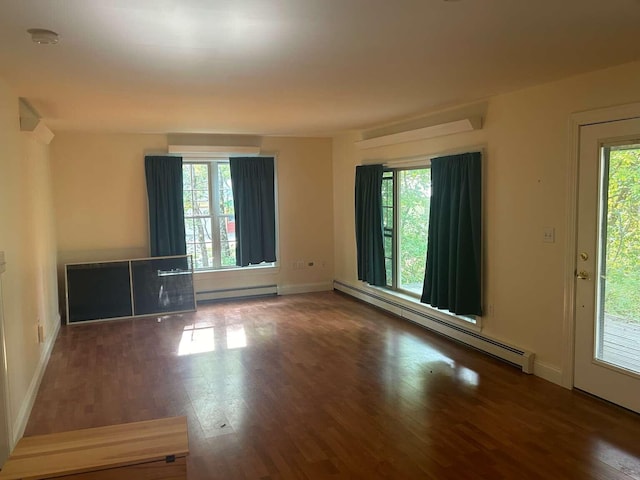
[(208, 213), (406, 195)]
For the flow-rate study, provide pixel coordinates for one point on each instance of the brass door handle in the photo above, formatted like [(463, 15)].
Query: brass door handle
[(583, 275)]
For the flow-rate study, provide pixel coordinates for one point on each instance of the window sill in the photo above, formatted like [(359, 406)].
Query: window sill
[(253, 269)]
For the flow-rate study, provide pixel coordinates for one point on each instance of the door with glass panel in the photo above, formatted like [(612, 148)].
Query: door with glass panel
[(607, 333)]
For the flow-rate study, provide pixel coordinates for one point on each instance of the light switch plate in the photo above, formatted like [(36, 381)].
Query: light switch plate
[(549, 235)]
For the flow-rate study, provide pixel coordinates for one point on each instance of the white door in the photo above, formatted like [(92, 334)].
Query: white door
[(607, 330)]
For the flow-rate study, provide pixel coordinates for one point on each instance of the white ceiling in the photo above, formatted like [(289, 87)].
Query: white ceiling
[(300, 67)]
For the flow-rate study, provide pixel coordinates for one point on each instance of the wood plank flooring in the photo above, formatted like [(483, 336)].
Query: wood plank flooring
[(322, 386)]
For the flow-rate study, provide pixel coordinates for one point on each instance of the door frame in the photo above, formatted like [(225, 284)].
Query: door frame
[(4, 373), (576, 121)]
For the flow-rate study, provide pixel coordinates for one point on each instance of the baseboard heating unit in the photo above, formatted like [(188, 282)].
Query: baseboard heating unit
[(233, 293), (403, 308)]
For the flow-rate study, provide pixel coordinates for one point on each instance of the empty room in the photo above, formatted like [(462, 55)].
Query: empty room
[(319, 239)]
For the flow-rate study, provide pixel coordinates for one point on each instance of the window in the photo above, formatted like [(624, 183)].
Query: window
[(406, 195), (208, 214)]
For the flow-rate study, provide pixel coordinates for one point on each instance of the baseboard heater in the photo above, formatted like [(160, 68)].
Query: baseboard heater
[(234, 293), (500, 350)]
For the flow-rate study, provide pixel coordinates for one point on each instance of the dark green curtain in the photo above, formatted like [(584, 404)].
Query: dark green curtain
[(369, 240), (252, 180), (454, 256), (166, 210)]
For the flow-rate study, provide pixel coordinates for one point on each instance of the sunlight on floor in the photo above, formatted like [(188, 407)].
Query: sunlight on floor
[(196, 340), (236, 337), (617, 458), (203, 339)]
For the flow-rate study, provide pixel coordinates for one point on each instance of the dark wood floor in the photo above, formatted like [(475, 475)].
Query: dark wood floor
[(321, 386)]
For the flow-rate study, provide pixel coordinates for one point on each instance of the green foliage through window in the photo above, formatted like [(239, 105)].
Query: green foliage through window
[(208, 214), (406, 196), (622, 291)]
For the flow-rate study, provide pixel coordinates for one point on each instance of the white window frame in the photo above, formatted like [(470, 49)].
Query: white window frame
[(214, 213)]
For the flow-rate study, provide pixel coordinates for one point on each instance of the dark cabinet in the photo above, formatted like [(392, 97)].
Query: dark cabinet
[(129, 288)]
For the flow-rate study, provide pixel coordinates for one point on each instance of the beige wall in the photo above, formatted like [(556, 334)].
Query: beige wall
[(29, 290), (101, 206), (526, 165), (100, 196)]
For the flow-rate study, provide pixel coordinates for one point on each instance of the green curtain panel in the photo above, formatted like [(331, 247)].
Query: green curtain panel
[(454, 255), (252, 180), (166, 210), (369, 241)]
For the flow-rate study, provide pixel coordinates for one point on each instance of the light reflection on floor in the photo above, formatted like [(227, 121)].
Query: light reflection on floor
[(196, 340), (617, 458), (413, 363), (203, 339), (236, 336)]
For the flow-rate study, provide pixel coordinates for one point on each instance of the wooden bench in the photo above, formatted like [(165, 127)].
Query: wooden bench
[(150, 450)]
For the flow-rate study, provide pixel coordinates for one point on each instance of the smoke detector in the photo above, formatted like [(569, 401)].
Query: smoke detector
[(42, 36)]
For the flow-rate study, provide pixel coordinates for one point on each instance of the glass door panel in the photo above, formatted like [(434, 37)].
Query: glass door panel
[(618, 314)]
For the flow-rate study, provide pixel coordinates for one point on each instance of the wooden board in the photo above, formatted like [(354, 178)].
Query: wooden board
[(101, 448)]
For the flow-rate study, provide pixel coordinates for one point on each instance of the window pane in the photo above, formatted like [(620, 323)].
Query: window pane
[(227, 241), (189, 230), (187, 193), (414, 198), (187, 172), (203, 255), (228, 254), (224, 187), (388, 243), (387, 218), (388, 265), (201, 204), (202, 229), (618, 322), (387, 189), (200, 176)]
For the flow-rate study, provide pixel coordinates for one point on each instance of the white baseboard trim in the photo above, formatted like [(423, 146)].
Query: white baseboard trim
[(25, 410), (233, 293), (548, 372), (305, 288), (402, 308)]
